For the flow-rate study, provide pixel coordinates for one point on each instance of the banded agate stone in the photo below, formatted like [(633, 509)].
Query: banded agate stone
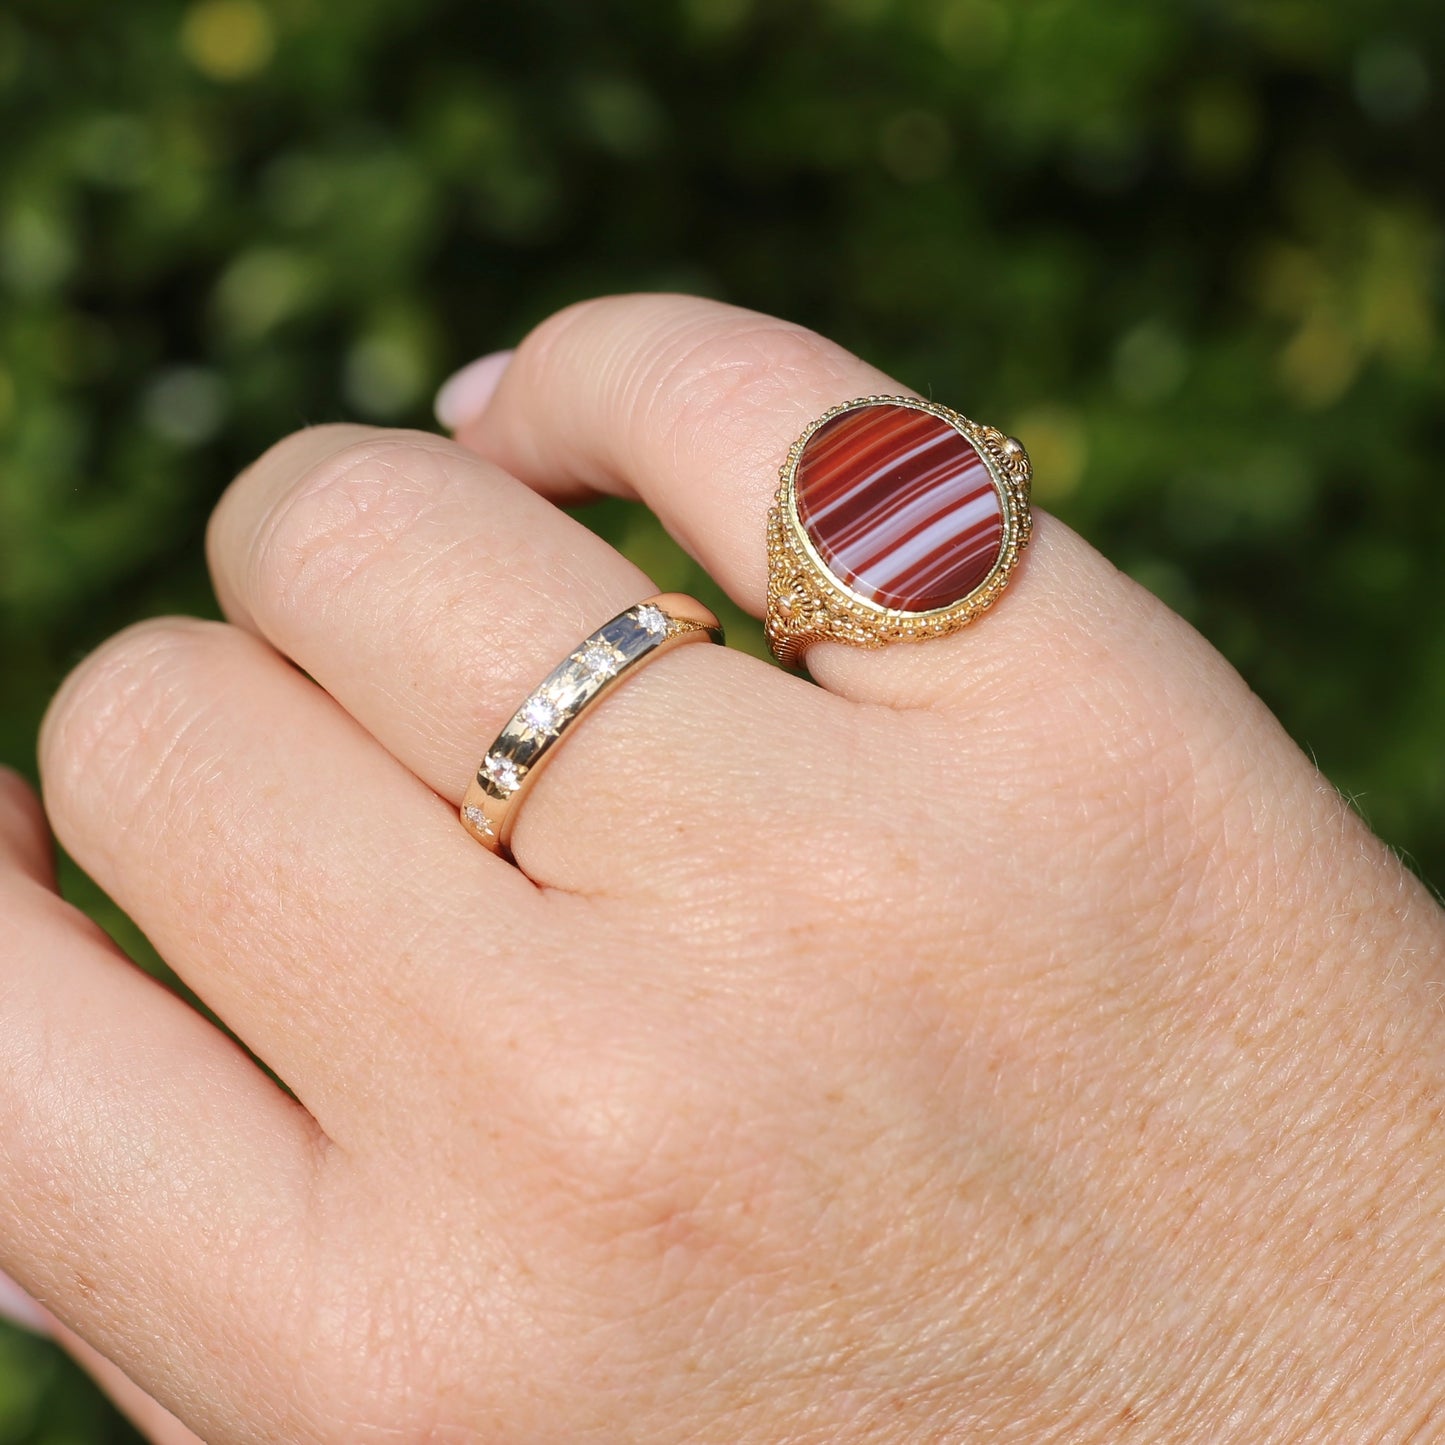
[(900, 506)]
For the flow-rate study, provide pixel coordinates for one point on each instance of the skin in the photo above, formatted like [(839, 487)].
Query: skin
[(1013, 1038)]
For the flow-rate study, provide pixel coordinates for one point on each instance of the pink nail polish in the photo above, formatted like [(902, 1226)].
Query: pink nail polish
[(19, 1309), (466, 394)]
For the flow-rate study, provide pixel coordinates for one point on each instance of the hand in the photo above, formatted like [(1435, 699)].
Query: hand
[(1012, 1038)]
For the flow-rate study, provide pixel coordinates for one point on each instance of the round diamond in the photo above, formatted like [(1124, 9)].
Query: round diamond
[(541, 714), (653, 620), (598, 659), (478, 820), (503, 772)]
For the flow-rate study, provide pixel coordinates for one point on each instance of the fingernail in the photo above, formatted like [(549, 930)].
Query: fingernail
[(17, 1307), (466, 394)]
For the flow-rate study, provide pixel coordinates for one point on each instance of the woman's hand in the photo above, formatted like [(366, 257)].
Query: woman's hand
[(1013, 1038)]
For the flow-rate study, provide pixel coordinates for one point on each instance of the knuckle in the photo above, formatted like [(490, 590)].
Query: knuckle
[(698, 366), (643, 1155), (120, 712), (584, 327), (360, 500), (603, 1131), (387, 1360), (727, 365), (139, 737), (557, 332)]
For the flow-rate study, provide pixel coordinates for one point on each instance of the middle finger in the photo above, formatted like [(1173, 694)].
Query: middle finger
[(429, 592)]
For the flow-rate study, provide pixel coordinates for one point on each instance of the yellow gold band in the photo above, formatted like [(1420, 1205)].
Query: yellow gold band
[(522, 748)]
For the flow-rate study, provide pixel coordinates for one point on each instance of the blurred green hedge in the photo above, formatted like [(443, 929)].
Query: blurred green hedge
[(1189, 250)]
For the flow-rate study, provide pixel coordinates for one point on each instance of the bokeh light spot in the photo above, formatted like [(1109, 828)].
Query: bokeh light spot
[(718, 17), (1058, 448), (1392, 82), (36, 250), (916, 146), (1221, 129), (862, 12), (1289, 279), (259, 289), (228, 40), (1150, 363), (185, 404), (298, 189), (384, 375), (973, 32), (621, 117), (114, 150), (1319, 362)]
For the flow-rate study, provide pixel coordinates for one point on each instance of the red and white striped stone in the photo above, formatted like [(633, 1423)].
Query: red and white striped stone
[(900, 505)]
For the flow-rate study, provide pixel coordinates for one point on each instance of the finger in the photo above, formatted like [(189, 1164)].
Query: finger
[(692, 406), (153, 1178), (289, 870), (24, 835), (429, 592)]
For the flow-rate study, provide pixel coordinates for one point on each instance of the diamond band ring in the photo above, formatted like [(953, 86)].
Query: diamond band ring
[(552, 709), (896, 519)]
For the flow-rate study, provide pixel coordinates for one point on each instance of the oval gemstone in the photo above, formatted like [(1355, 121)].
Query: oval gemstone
[(900, 506)]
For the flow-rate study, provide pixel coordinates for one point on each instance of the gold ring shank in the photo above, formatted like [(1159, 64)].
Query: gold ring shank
[(553, 708)]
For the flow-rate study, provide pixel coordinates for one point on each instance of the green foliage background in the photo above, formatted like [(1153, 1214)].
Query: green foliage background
[(1189, 250)]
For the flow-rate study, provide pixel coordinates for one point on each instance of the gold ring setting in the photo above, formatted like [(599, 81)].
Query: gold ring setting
[(595, 666), (896, 519)]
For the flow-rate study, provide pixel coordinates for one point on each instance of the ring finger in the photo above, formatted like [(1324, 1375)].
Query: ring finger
[(428, 592)]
